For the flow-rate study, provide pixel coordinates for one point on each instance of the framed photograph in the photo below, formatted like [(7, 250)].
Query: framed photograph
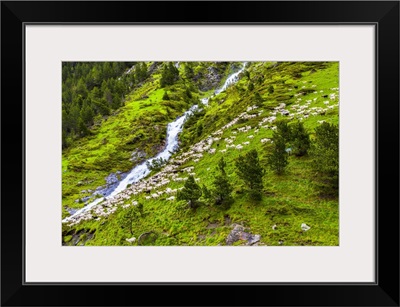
[(247, 157)]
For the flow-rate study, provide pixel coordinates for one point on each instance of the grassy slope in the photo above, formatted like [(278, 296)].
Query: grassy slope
[(288, 201), (139, 125)]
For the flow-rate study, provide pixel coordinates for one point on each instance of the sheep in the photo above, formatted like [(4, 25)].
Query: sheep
[(170, 198), (131, 240)]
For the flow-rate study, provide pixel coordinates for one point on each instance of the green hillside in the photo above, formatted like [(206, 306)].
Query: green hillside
[(250, 115)]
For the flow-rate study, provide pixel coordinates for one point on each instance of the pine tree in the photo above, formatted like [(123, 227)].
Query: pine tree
[(325, 152), (188, 70), (250, 87), (283, 129), (222, 189), (246, 74), (140, 71), (277, 159), (130, 215), (165, 96), (258, 99), (190, 193), (169, 75), (82, 129), (87, 114), (249, 169), (300, 142), (81, 89)]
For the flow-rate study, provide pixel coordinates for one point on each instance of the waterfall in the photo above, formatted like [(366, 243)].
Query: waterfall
[(173, 129)]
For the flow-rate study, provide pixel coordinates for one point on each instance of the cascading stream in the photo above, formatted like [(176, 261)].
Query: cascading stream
[(173, 129)]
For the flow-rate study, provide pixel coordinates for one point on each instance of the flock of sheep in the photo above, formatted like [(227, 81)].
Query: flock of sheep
[(154, 187)]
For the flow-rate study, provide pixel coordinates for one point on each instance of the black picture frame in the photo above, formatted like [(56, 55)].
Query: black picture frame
[(383, 14)]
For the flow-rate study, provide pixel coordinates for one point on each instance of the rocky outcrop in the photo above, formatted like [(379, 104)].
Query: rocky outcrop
[(238, 233), (209, 80)]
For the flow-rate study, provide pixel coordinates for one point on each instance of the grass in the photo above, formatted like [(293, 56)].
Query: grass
[(288, 200)]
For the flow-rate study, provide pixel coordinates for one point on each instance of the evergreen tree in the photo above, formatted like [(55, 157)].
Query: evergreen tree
[(250, 86), (165, 96), (300, 143), (102, 107), (258, 99), (73, 117), (130, 215), (246, 74), (277, 159), (81, 89), (283, 129), (249, 169), (87, 114), (169, 75), (64, 142), (199, 129), (206, 192), (222, 189), (188, 70), (271, 89), (140, 71), (190, 193), (66, 125), (325, 152), (82, 129)]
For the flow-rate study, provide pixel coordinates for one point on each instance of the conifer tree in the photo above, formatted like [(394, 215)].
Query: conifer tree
[(325, 152), (249, 169), (190, 193), (87, 114), (277, 159), (169, 74), (222, 189), (283, 129), (258, 99), (165, 96), (300, 142), (250, 87)]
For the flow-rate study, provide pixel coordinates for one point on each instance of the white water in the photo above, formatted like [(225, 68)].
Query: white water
[(173, 130), (231, 80)]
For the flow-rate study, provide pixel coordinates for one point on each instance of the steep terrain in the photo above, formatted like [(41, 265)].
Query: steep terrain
[(294, 208)]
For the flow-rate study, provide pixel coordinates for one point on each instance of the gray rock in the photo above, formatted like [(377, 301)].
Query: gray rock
[(238, 233)]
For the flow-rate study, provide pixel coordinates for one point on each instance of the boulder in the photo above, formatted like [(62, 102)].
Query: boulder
[(238, 233)]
